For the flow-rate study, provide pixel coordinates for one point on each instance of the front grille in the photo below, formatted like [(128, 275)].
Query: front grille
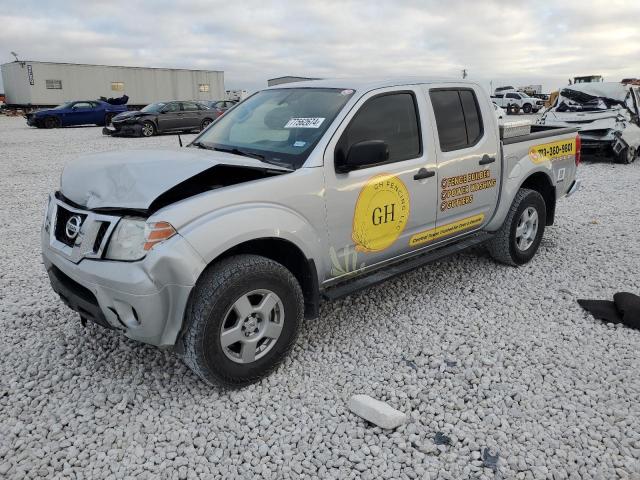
[(62, 218)]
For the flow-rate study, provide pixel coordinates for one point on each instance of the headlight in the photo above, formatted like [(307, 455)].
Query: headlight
[(133, 238), (47, 215)]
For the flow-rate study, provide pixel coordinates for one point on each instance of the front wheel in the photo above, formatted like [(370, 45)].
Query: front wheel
[(526, 108), (626, 155), (518, 239), (148, 129), (51, 122), (242, 320)]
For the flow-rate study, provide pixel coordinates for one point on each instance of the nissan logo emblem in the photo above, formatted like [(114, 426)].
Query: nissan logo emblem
[(73, 226)]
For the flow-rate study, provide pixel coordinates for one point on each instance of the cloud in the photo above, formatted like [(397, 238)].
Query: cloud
[(517, 42)]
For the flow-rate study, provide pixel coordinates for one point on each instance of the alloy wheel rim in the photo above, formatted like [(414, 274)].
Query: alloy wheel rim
[(252, 326), (147, 130), (527, 229)]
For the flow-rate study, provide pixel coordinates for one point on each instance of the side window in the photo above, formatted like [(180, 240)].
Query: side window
[(499, 95), (512, 95), (391, 118), (171, 107), (458, 118), (189, 106), (82, 106)]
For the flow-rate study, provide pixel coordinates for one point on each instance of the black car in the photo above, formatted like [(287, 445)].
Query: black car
[(162, 117)]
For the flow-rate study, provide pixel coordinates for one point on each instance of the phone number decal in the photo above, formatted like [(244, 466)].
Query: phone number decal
[(552, 151)]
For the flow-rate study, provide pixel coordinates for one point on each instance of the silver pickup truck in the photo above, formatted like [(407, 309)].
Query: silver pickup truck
[(302, 191)]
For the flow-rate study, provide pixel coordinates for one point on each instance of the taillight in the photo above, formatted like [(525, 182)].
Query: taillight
[(578, 148)]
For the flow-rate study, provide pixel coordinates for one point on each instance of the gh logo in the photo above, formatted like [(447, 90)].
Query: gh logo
[(384, 214)]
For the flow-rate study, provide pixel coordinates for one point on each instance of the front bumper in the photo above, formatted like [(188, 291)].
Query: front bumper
[(124, 130), (146, 299)]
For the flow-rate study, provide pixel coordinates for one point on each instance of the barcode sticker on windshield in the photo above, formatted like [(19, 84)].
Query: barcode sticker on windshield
[(304, 123)]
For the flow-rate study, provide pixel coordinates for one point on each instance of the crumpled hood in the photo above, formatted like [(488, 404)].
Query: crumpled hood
[(129, 114), (133, 179)]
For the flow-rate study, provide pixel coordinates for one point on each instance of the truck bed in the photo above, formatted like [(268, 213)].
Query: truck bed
[(538, 132)]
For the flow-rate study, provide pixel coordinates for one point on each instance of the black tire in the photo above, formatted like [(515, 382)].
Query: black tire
[(503, 246), (526, 108), (626, 156), (107, 119), (513, 109), (205, 123), (148, 129), (51, 122), (218, 288)]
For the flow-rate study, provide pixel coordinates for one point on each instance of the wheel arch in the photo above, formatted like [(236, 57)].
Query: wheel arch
[(279, 250), (541, 183)]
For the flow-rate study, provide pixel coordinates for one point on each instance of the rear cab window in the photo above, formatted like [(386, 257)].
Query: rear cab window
[(458, 118)]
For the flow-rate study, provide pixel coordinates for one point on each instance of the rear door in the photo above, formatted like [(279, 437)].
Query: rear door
[(374, 212), (192, 115), (467, 156)]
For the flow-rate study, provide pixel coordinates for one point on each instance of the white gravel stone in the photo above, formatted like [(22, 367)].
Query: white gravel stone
[(526, 372), (376, 412)]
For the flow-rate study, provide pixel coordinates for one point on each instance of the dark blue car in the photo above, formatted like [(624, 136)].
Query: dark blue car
[(83, 112)]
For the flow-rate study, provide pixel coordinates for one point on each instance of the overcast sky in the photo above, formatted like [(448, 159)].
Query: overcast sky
[(508, 42)]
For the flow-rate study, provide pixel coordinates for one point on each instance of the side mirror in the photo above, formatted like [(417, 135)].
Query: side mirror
[(363, 154)]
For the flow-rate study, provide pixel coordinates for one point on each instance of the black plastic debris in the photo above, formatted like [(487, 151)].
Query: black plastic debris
[(441, 439), (625, 309), (451, 363), (488, 460)]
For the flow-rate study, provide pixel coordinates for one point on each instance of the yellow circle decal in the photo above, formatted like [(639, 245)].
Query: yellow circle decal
[(381, 213)]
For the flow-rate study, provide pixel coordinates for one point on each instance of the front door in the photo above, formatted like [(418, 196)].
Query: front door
[(468, 160), (375, 213), (81, 113), (170, 117)]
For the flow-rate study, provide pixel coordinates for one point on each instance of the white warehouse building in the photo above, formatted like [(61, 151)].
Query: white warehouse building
[(49, 83)]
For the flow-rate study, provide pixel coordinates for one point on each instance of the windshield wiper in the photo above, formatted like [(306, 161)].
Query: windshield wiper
[(257, 156), (201, 145), (237, 151)]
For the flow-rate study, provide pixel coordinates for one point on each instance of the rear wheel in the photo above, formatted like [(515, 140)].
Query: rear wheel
[(205, 123), (513, 109), (518, 239), (148, 129), (51, 122), (242, 320)]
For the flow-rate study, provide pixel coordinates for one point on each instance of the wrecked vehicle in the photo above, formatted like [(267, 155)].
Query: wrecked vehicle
[(162, 117), (219, 249), (606, 115)]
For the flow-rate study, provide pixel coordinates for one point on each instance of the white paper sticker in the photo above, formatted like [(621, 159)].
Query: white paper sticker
[(561, 174), (304, 123), (299, 143)]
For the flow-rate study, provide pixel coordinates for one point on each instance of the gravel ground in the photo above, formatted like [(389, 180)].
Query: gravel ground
[(500, 371)]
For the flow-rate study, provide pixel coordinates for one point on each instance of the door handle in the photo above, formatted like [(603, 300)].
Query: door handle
[(486, 160), (423, 173)]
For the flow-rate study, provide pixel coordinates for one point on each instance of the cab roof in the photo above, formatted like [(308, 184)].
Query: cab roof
[(368, 83)]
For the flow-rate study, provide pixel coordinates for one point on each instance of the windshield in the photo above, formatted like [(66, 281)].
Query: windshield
[(281, 126), (153, 108), (63, 106)]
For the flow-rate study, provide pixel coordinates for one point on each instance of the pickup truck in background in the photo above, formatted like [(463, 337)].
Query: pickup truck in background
[(308, 190), (514, 101)]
